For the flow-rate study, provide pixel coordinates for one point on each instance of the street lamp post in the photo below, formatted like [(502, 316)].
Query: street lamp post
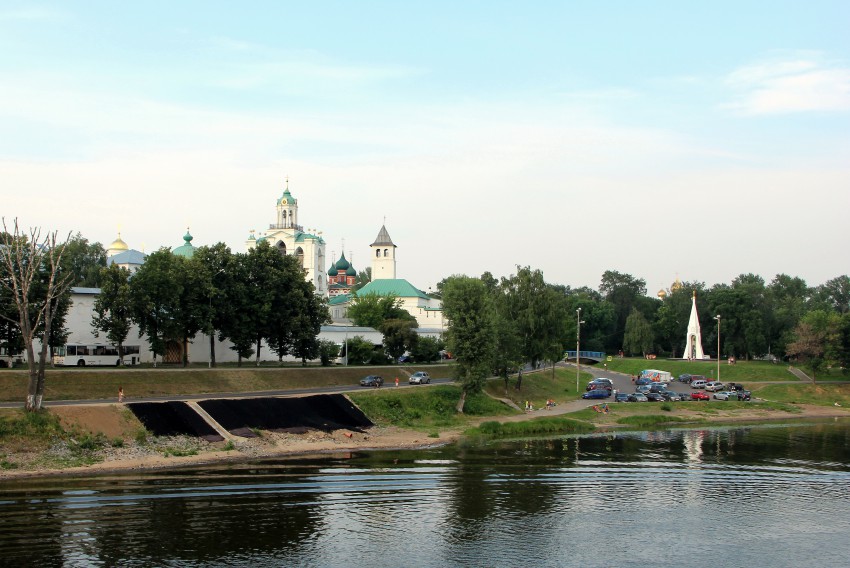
[(717, 317), (578, 345)]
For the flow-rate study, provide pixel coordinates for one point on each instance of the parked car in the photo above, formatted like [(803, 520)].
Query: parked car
[(597, 393), (698, 384), (405, 359), (744, 395), (735, 387), (621, 397), (671, 396), (726, 395), (714, 386), (643, 381), (419, 378), (684, 378), (638, 397), (657, 387), (371, 381), (600, 383), (655, 397), (699, 395), (643, 389), (683, 396)]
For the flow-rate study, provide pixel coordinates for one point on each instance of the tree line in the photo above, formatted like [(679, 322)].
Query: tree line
[(499, 325)]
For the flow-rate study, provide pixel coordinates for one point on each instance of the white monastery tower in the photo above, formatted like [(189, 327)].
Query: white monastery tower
[(383, 256)]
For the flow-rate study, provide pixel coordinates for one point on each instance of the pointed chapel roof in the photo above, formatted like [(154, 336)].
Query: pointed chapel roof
[(383, 238)]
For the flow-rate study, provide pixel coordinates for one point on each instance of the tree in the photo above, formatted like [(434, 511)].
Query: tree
[(307, 324), (213, 262), (834, 294), (359, 351), (623, 292), (155, 291), (33, 277), (399, 336), (638, 334), (807, 347), (427, 349), (84, 261), (466, 304), (363, 278), (371, 310), (113, 307), (328, 351)]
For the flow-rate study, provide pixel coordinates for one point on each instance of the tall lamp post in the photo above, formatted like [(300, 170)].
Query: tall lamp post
[(578, 345), (717, 317)]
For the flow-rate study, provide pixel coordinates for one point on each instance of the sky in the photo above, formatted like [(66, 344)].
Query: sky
[(659, 139)]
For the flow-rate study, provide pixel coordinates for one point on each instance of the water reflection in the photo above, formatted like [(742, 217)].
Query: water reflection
[(769, 496)]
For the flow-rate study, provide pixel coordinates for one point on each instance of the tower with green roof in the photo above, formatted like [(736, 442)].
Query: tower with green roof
[(186, 250), (288, 237)]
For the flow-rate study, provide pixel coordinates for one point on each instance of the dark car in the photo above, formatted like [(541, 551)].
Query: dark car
[(700, 395), (600, 383), (638, 397), (371, 381), (744, 394), (735, 386), (643, 381), (621, 397), (597, 393), (654, 397), (671, 396), (684, 378)]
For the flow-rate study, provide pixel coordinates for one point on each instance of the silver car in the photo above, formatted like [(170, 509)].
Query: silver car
[(419, 378)]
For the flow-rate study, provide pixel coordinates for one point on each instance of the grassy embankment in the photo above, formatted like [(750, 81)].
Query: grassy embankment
[(89, 383), (742, 371)]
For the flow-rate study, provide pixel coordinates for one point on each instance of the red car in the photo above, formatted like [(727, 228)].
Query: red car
[(700, 395)]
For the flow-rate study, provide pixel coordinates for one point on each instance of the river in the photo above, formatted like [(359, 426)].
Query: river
[(746, 496)]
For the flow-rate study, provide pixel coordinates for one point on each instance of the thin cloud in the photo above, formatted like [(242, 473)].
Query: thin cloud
[(798, 84)]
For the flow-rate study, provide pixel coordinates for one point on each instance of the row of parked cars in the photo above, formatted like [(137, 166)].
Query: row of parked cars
[(647, 390)]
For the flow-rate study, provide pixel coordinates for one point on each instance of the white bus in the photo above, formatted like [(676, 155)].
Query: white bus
[(81, 355)]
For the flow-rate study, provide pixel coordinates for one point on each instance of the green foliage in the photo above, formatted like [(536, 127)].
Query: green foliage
[(427, 349), (113, 306), (546, 425), (229, 446), (141, 437), (425, 408), (179, 452), (328, 352), (650, 420), (84, 261), (399, 336), (468, 307), (371, 310), (666, 407), (638, 334), (117, 442), (40, 425), (361, 351)]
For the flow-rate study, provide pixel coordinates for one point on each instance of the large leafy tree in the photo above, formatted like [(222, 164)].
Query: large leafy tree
[(156, 290), (307, 324), (33, 277), (638, 335), (113, 307), (371, 310), (84, 261), (539, 314), (213, 264), (623, 292), (399, 336), (427, 349), (834, 294), (787, 297), (467, 305)]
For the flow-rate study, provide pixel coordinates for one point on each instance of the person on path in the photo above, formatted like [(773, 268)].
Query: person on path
[(120, 394), (396, 382)]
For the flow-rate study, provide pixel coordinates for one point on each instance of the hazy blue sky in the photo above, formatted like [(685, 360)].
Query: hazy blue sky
[(654, 138)]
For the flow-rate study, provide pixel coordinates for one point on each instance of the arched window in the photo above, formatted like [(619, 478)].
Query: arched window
[(281, 248), (386, 252), (299, 253), (377, 253)]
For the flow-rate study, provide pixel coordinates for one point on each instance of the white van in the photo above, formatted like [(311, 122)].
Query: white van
[(699, 384)]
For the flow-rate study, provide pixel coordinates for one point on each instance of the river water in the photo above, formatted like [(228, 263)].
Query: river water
[(753, 496)]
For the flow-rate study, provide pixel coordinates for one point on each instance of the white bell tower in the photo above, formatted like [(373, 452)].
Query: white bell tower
[(383, 256), (287, 210)]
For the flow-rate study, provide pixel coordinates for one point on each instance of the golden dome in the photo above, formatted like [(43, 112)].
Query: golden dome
[(118, 244), (677, 285), (662, 294)]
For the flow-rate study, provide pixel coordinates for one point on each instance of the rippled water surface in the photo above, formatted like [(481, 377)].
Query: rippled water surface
[(761, 496)]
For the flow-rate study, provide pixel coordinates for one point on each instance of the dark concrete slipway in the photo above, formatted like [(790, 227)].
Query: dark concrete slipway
[(238, 416)]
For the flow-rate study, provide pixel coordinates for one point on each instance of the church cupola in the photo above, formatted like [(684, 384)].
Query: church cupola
[(287, 210)]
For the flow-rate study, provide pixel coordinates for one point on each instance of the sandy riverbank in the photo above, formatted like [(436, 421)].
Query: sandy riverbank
[(112, 421)]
